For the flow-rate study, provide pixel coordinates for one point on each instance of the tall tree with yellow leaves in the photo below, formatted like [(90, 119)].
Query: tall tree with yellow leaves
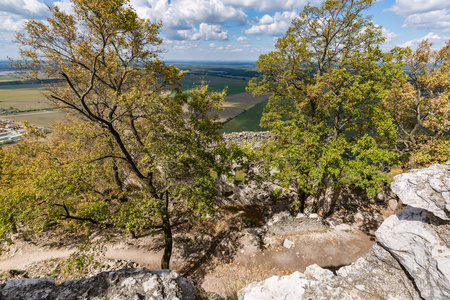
[(420, 106), (136, 151)]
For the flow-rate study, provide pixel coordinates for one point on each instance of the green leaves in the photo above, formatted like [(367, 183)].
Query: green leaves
[(326, 79), (135, 149)]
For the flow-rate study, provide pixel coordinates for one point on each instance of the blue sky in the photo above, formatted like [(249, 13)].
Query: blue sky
[(237, 30)]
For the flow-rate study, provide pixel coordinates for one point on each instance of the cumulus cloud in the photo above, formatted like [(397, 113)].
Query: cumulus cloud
[(24, 8), (8, 24), (275, 25), (205, 32), (437, 41), (389, 35), (180, 14), (407, 7), (243, 40), (228, 48), (270, 5), (184, 45), (433, 20), (65, 5)]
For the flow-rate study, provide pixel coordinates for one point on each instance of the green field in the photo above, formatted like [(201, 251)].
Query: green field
[(41, 119), (247, 120), (9, 78), (22, 98), (238, 103), (24, 101), (216, 83)]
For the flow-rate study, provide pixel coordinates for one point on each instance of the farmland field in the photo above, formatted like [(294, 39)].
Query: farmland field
[(41, 118), (22, 97), (247, 120), (238, 103), (22, 100)]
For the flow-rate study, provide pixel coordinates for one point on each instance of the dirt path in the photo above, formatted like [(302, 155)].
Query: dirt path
[(228, 262), (22, 254), (331, 249), (31, 255)]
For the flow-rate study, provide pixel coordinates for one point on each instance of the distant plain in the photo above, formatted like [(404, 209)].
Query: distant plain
[(22, 100)]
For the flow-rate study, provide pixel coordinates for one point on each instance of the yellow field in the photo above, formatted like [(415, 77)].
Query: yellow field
[(22, 97), (237, 103), (41, 119)]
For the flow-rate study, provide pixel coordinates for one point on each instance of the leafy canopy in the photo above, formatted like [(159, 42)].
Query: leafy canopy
[(136, 152), (420, 106), (325, 80)]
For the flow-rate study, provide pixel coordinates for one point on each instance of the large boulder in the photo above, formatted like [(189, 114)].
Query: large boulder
[(428, 189), (421, 248), (411, 259), (377, 276), (122, 284)]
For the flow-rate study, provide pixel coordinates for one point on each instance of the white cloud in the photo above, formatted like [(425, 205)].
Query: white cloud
[(210, 32), (184, 45), (272, 25), (180, 14), (389, 35), (407, 7), (24, 8), (8, 24), (270, 5), (243, 40), (205, 32), (437, 41), (64, 5), (433, 20), (229, 48)]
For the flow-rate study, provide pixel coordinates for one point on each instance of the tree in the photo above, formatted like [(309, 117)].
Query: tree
[(325, 80), (420, 106), (136, 151)]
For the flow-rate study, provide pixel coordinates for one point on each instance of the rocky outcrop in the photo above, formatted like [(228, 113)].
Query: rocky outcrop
[(421, 248), (428, 189), (246, 138), (122, 284), (376, 276), (411, 259)]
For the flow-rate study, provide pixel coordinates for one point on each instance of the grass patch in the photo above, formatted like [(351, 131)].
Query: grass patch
[(41, 119), (247, 121), (216, 83), (10, 78), (237, 104), (240, 175)]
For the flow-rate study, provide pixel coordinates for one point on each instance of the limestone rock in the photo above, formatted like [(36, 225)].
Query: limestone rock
[(411, 259), (288, 244), (377, 276), (283, 223), (31, 289), (294, 286), (256, 139), (428, 189), (421, 248), (122, 284)]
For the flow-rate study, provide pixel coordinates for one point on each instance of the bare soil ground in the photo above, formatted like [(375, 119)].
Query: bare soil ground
[(223, 256)]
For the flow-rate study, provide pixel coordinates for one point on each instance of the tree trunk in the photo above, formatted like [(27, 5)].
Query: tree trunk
[(301, 195), (167, 230), (13, 226)]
